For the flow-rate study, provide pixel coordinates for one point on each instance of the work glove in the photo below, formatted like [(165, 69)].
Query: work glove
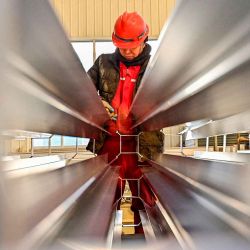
[(110, 110)]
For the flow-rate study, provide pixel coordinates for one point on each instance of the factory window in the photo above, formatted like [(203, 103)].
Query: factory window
[(83, 141), (71, 141), (41, 142), (84, 50), (58, 141), (104, 48), (44, 142)]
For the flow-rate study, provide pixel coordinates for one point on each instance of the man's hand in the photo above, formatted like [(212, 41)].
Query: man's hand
[(110, 110)]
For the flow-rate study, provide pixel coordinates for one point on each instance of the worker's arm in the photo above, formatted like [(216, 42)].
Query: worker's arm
[(243, 139), (110, 110), (93, 72)]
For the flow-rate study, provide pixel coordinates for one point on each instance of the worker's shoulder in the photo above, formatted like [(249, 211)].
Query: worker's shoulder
[(106, 57)]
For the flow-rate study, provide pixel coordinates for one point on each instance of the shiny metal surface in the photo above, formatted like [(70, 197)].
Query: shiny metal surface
[(17, 164), (181, 235), (228, 178), (147, 227), (218, 187), (117, 230), (22, 167), (202, 220), (32, 205), (92, 216), (42, 80), (223, 156), (2, 196), (209, 103), (160, 227), (32, 114), (236, 123), (21, 134), (201, 69)]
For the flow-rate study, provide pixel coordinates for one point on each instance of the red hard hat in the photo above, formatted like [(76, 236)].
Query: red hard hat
[(130, 30)]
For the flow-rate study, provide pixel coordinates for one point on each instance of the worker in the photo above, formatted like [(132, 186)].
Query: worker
[(117, 77), (243, 140)]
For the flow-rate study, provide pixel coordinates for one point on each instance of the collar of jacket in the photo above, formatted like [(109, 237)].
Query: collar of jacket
[(141, 60)]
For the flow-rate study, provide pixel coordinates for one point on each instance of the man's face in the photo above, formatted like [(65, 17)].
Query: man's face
[(130, 54)]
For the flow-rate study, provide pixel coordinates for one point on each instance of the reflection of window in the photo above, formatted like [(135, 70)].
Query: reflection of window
[(56, 140), (83, 141), (41, 142), (71, 141)]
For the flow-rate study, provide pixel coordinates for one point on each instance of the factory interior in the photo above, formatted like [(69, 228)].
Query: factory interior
[(56, 194)]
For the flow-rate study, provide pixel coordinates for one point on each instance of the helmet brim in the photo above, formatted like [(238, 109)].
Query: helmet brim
[(128, 45)]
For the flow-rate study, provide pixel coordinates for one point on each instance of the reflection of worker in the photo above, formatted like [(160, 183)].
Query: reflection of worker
[(117, 77), (244, 140)]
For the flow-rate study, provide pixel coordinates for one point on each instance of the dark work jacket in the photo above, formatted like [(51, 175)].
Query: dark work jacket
[(105, 75)]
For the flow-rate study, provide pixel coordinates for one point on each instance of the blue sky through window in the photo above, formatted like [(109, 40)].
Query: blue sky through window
[(56, 141)]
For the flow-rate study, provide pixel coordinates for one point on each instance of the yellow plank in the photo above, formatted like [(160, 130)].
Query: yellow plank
[(74, 18), (130, 5), (98, 18), (107, 30), (138, 6), (114, 13), (146, 13), (154, 18), (82, 18), (95, 18), (127, 217), (67, 16), (90, 13), (162, 13), (170, 7), (122, 6)]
